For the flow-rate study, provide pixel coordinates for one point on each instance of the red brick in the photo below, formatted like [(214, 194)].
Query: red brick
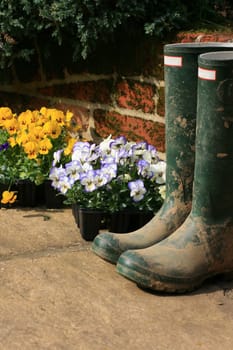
[(204, 37), (135, 129), (136, 95)]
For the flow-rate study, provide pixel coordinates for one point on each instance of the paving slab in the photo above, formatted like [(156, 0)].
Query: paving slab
[(56, 294)]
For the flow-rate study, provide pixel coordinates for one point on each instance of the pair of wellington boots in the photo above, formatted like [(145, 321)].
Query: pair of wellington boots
[(190, 239)]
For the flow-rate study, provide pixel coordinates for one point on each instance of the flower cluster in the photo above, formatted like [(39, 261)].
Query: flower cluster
[(111, 176), (28, 141)]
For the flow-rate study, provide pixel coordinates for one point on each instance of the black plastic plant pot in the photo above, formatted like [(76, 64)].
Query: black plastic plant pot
[(40, 194), (53, 199), (26, 193), (128, 220), (90, 222)]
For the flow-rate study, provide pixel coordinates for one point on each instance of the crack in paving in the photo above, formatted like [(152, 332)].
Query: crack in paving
[(50, 251)]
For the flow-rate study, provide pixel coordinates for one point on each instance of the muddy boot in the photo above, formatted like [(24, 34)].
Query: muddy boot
[(181, 63), (203, 246)]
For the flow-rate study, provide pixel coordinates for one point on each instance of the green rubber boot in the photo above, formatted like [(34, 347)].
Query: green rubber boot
[(202, 246), (181, 64)]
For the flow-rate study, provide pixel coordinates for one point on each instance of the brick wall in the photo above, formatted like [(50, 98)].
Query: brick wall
[(118, 103)]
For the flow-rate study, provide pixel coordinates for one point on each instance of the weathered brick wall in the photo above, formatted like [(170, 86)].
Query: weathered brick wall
[(117, 103)]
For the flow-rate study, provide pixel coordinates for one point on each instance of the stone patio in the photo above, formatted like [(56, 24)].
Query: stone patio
[(56, 294)]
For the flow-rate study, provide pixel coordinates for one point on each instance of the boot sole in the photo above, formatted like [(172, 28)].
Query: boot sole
[(166, 284)]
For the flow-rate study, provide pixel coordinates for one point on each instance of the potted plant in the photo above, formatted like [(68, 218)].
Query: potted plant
[(27, 144), (117, 177)]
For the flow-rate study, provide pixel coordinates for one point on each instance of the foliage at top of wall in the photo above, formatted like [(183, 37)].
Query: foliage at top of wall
[(27, 26)]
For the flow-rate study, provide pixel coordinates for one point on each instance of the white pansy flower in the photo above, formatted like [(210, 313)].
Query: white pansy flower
[(159, 171)]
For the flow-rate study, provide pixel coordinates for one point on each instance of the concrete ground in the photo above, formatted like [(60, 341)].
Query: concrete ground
[(56, 294)]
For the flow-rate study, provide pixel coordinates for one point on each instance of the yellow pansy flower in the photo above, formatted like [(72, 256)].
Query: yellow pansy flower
[(43, 111), (22, 138), (68, 117), (52, 129), (11, 125), (12, 141), (36, 116), (31, 149), (27, 118), (45, 146), (23, 120), (57, 116), (33, 118), (5, 114), (42, 117), (70, 146), (37, 132), (8, 197)]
